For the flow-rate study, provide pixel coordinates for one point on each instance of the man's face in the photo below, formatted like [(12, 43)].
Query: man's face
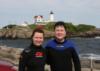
[(60, 32), (38, 38)]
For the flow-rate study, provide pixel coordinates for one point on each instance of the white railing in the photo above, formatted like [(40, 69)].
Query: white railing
[(91, 61)]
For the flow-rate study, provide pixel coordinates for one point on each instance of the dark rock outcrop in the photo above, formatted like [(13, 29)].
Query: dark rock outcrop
[(23, 32), (16, 32), (26, 32)]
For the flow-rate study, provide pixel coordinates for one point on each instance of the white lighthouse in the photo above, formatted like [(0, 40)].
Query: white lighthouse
[(39, 19), (51, 17)]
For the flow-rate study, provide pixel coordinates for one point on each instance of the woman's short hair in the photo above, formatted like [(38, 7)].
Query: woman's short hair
[(37, 30)]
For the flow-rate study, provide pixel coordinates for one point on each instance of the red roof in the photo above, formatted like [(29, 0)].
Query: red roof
[(39, 16)]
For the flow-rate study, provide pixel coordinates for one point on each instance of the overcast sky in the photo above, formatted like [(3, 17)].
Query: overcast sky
[(75, 11)]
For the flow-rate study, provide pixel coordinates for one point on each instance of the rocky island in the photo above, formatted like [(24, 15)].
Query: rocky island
[(26, 32)]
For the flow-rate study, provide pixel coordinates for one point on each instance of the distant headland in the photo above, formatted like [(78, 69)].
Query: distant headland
[(81, 30)]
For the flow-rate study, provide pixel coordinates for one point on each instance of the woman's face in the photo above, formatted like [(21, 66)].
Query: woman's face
[(60, 32), (38, 38)]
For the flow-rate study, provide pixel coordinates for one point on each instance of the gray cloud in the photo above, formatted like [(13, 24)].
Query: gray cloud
[(77, 11)]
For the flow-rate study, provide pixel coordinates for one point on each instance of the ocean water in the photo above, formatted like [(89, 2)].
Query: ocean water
[(83, 45)]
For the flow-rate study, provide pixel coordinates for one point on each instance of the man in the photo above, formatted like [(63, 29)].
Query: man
[(33, 57), (61, 53)]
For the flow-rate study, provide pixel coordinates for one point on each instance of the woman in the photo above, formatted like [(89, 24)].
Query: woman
[(33, 57)]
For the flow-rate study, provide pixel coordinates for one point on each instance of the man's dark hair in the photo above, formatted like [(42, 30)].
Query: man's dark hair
[(59, 23), (37, 30)]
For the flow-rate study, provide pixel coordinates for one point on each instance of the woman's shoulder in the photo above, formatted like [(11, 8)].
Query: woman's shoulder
[(26, 50)]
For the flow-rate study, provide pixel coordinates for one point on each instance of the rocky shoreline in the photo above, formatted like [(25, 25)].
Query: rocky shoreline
[(26, 32), (20, 32), (12, 55)]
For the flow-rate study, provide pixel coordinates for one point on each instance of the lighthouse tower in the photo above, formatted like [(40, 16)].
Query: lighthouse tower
[(51, 17)]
